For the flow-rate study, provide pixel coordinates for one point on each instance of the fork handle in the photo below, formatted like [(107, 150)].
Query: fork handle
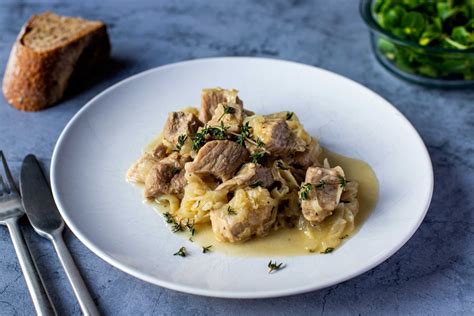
[(41, 300)]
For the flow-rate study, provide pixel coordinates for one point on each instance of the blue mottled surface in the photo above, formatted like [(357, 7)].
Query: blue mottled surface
[(432, 274)]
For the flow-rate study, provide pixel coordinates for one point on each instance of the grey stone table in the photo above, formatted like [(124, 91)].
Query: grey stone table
[(432, 274)]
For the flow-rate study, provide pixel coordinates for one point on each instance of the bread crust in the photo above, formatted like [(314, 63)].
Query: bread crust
[(35, 80)]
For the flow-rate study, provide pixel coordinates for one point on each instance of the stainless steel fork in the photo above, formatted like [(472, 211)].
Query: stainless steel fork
[(11, 211)]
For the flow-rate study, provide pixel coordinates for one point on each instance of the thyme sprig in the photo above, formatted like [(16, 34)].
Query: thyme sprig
[(175, 170), (216, 132), (190, 226), (244, 134), (177, 227), (274, 266), (305, 190), (257, 157), (231, 211), (181, 140), (328, 250), (227, 110), (256, 184), (206, 249), (342, 181), (181, 252), (321, 184), (289, 115), (168, 218)]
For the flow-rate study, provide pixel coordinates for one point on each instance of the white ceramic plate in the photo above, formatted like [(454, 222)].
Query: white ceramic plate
[(108, 134)]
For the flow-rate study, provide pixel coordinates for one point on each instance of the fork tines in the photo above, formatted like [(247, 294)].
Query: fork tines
[(4, 187)]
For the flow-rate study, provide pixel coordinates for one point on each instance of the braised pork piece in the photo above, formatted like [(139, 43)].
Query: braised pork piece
[(245, 174)]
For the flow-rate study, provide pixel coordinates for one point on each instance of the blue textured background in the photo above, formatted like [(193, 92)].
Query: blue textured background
[(432, 274)]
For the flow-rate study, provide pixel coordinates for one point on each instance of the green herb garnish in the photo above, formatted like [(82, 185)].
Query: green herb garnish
[(215, 132), (274, 266), (321, 184), (256, 184), (289, 115), (231, 211), (328, 250), (176, 227), (445, 24), (200, 138), (190, 226), (181, 252), (305, 190), (219, 132), (181, 140), (344, 237), (227, 110), (244, 134), (259, 143), (175, 170), (342, 181), (168, 218), (257, 157), (206, 249)]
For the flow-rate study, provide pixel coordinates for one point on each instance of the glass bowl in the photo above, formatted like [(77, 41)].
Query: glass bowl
[(430, 66)]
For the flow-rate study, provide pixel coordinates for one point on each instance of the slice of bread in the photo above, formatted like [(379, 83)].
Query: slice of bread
[(48, 52)]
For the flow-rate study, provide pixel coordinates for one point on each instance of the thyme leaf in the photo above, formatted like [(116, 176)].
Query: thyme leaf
[(256, 184), (305, 190), (176, 227), (175, 170), (257, 157), (231, 211), (289, 115), (181, 252), (206, 249), (342, 181), (328, 250), (168, 218), (321, 184), (274, 266), (181, 140), (227, 110)]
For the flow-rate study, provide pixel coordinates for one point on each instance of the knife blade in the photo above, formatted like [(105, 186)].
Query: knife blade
[(38, 200), (45, 218)]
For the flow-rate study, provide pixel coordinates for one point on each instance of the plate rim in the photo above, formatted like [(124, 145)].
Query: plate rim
[(223, 293)]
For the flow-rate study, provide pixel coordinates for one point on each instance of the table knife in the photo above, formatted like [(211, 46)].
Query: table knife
[(44, 216)]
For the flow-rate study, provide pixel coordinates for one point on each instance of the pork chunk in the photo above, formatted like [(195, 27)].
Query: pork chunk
[(138, 172), (220, 158), (160, 151), (279, 140), (307, 158), (211, 98), (180, 123), (325, 193), (249, 175), (233, 120), (249, 213), (166, 177)]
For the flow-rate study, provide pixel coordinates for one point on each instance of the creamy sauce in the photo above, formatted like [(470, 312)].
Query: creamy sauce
[(290, 242)]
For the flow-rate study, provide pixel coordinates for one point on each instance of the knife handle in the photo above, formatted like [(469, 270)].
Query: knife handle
[(39, 295), (80, 290)]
